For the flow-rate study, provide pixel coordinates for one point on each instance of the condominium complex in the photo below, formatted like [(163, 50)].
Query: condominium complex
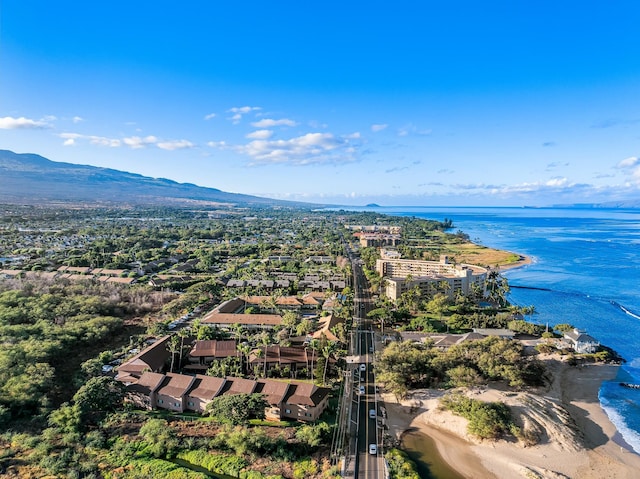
[(401, 275)]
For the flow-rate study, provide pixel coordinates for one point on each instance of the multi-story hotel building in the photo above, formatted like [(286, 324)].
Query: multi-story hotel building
[(426, 274)]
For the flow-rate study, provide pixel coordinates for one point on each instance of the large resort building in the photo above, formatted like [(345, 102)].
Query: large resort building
[(401, 275)]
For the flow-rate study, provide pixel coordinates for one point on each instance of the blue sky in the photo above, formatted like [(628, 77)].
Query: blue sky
[(405, 103)]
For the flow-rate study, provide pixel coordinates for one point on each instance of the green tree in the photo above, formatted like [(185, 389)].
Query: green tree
[(160, 436), (237, 409), (98, 397)]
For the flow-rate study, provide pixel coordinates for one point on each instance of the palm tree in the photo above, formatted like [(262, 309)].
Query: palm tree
[(237, 331), (183, 333), (244, 350), (313, 344), (265, 339), (172, 347), (326, 353)]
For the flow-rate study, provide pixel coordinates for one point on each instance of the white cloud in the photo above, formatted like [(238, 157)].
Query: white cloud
[(380, 127), (136, 142), (175, 145), (102, 141), (243, 110), (628, 162), (557, 182), (260, 135), (413, 130), (269, 123), (77, 119), (22, 123), (209, 116), (310, 148), (239, 111)]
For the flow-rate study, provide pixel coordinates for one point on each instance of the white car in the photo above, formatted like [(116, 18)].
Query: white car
[(361, 390), (373, 449), (363, 367), (372, 413)]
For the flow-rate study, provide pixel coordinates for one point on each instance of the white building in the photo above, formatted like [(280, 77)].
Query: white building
[(427, 274)]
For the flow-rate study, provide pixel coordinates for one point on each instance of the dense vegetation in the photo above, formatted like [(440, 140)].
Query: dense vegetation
[(407, 365), (486, 420)]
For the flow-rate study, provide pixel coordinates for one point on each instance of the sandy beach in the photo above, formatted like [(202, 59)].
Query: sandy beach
[(576, 438)]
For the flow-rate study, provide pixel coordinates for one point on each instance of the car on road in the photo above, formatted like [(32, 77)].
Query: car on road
[(373, 449), (363, 367), (361, 390), (372, 413)]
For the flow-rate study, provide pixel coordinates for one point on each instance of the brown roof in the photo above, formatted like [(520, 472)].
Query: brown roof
[(214, 348), (206, 387), (230, 306), (239, 386), (280, 301), (273, 391), (281, 355), (176, 385), (250, 319), (147, 383), (152, 358), (306, 394)]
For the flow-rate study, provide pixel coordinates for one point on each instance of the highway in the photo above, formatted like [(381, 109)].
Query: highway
[(365, 417)]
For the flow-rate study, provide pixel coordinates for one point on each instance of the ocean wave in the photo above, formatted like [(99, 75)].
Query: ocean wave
[(630, 313), (630, 436)]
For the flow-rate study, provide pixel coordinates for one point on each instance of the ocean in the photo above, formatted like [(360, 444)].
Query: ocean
[(585, 271)]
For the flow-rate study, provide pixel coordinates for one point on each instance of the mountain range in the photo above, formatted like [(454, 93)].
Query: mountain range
[(27, 178)]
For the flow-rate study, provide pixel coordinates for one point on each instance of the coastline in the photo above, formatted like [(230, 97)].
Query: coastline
[(577, 439), (522, 261)]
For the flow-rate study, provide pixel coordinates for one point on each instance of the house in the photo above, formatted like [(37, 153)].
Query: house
[(238, 386), (171, 394), (251, 322), (281, 302), (142, 391), (304, 402), (177, 392), (274, 393), (295, 358), (499, 332), (327, 324), (152, 358), (204, 389), (581, 342), (205, 352)]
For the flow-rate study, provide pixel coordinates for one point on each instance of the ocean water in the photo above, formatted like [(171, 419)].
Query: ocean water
[(585, 271)]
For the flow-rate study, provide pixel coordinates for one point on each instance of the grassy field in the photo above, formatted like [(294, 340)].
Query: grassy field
[(481, 255)]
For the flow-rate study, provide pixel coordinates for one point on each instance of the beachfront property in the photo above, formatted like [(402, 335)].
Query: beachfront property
[(294, 400), (401, 275), (581, 342)]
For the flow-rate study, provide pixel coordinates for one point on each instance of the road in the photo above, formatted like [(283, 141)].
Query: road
[(365, 412)]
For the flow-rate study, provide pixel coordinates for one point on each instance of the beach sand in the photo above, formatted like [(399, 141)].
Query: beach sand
[(577, 440)]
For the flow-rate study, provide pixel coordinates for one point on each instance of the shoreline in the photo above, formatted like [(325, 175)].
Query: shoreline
[(577, 439), (522, 261)]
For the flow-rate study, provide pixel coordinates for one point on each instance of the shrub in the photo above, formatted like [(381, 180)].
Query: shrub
[(486, 420)]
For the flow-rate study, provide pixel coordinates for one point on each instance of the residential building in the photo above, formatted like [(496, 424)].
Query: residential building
[(581, 342), (401, 275)]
